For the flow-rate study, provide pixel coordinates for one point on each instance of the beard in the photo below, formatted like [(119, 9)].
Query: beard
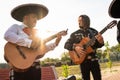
[(83, 27)]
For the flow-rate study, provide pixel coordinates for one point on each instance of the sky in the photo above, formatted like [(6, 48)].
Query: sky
[(63, 14)]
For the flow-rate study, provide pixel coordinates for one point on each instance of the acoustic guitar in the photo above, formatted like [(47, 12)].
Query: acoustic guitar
[(22, 57), (114, 9), (86, 44)]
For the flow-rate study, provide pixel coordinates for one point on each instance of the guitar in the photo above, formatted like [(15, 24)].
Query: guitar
[(86, 43), (22, 57), (114, 9)]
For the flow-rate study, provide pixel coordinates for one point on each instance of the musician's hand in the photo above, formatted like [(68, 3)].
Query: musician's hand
[(59, 36), (63, 33), (80, 50), (99, 38)]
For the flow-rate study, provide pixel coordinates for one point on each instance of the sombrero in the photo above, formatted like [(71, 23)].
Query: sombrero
[(114, 9), (20, 11)]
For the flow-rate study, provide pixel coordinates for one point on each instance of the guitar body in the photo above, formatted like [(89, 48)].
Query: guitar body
[(114, 9), (14, 57), (78, 58), (75, 58), (83, 42), (21, 57)]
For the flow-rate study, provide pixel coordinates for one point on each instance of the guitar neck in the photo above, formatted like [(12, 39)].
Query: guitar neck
[(103, 30), (110, 25), (50, 38), (55, 35)]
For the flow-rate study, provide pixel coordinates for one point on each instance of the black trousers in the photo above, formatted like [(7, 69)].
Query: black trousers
[(33, 73), (90, 66)]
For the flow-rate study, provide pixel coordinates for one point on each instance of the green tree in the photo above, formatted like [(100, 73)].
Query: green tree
[(65, 57), (116, 51)]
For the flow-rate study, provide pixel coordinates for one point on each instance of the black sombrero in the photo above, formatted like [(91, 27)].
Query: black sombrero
[(21, 10), (114, 9)]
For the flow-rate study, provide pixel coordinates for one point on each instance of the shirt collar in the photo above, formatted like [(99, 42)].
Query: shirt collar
[(24, 25)]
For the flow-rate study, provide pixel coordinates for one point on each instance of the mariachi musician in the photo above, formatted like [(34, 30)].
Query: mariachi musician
[(88, 63), (23, 42)]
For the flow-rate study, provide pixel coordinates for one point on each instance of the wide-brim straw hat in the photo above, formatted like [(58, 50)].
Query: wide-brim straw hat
[(20, 11)]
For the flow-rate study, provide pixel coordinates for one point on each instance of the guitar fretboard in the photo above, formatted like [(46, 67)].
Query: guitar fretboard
[(92, 40), (50, 38)]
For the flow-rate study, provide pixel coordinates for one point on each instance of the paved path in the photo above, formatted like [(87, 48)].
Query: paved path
[(114, 75)]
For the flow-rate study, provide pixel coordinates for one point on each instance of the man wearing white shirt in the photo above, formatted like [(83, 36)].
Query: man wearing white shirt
[(25, 35)]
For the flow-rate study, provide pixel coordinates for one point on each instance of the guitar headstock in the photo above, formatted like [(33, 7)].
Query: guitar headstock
[(112, 24)]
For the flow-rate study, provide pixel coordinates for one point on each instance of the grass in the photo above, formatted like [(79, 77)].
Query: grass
[(76, 70), (72, 70)]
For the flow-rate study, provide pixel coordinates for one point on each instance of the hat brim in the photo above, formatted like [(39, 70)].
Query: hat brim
[(114, 9), (20, 11)]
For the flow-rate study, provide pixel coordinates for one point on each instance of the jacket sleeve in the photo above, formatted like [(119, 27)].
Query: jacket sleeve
[(118, 32), (118, 36), (97, 44), (69, 43)]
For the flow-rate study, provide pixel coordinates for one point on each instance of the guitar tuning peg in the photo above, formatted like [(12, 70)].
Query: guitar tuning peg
[(66, 29)]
